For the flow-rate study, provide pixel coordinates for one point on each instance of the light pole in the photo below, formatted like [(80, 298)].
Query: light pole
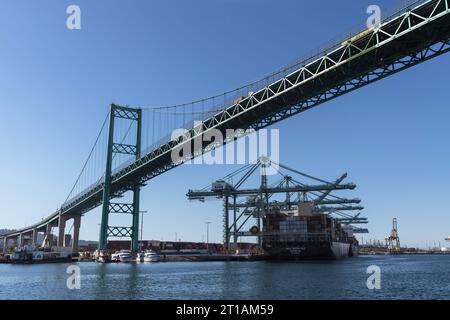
[(142, 225), (207, 235)]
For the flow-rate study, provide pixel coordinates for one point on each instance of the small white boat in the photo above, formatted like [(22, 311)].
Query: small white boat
[(140, 257), (101, 257), (122, 256), (151, 256), (115, 257)]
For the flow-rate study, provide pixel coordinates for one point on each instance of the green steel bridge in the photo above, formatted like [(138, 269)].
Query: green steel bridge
[(413, 35)]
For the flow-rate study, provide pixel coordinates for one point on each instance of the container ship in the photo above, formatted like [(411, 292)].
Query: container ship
[(306, 234)]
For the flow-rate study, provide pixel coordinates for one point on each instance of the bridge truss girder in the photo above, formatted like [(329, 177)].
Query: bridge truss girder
[(408, 54), (411, 38)]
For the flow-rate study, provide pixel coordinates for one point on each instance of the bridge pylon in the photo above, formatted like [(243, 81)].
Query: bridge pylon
[(108, 207)]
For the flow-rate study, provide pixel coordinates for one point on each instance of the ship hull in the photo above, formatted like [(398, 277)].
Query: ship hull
[(310, 251)]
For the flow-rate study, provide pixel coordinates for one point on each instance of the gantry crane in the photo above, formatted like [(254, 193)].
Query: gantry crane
[(393, 241)]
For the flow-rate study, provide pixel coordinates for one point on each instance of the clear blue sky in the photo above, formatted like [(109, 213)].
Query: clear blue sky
[(56, 86)]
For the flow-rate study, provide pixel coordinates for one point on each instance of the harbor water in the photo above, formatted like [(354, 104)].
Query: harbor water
[(402, 277)]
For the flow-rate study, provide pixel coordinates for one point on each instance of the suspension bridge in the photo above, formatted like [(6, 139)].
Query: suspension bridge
[(135, 143)]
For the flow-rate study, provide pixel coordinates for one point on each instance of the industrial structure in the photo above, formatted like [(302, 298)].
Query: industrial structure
[(393, 241), (257, 205), (417, 33)]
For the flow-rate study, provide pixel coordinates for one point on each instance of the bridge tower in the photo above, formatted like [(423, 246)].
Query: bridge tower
[(108, 207), (393, 241)]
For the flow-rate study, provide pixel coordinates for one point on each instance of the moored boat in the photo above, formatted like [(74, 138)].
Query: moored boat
[(140, 257), (102, 257), (122, 256), (31, 254)]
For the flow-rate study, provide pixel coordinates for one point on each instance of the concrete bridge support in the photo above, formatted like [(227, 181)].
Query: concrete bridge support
[(26, 238), (62, 242), (19, 240), (76, 232), (48, 238), (61, 231), (34, 237), (5, 244), (48, 229)]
